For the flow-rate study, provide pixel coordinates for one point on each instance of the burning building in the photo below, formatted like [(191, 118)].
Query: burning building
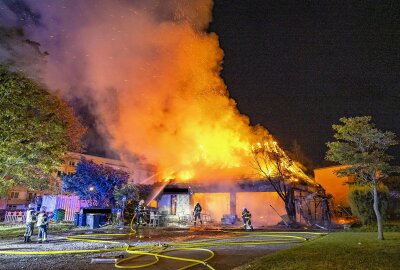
[(150, 73), (223, 203), (279, 180)]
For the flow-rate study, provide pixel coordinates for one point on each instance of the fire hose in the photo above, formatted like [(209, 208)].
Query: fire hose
[(158, 251)]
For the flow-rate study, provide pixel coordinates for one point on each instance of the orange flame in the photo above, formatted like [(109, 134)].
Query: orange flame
[(156, 86), (180, 116)]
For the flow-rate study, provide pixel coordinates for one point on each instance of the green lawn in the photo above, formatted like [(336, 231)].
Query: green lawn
[(342, 250), (18, 230)]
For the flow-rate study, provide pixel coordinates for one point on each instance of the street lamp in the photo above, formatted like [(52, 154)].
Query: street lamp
[(91, 189)]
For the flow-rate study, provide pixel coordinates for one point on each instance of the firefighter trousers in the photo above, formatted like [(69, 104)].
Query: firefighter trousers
[(29, 229), (42, 236)]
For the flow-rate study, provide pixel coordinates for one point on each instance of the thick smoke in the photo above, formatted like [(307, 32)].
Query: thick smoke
[(153, 74)]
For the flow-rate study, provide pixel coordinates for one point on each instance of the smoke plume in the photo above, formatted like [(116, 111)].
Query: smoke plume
[(152, 71)]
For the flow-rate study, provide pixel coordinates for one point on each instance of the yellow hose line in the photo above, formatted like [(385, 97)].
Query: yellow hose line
[(118, 263), (158, 251), (158, 255), (131, 225), (57, 252)]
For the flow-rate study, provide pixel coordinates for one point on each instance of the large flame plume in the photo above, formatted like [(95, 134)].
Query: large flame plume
[(153, 74)]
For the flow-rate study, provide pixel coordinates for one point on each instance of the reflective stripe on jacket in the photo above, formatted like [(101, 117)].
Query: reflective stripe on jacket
[(42, 219), (246, 214), (30, 216)]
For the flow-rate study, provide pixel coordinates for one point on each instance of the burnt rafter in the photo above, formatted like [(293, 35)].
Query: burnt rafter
[(238, 186)]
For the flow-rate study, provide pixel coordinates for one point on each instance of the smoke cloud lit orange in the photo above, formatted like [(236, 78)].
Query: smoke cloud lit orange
[(153, 73)]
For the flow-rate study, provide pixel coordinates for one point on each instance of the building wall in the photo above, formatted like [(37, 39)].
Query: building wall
[(18, 198), (3, 204), (182, 205), (333, 184), (258, 203), (139, 173), (214, 204)]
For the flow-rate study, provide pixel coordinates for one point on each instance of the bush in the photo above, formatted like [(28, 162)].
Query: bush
[(141, 192), (361, 202)]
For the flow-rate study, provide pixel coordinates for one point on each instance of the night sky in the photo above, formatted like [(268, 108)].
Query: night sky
[(297, 69)]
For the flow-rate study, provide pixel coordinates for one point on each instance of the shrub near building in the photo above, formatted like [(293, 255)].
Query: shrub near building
[(361, 200)]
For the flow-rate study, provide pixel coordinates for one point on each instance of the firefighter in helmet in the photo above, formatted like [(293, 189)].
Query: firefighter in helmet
[(140, 214), (197, 213), (30, 219), (246, 216), (42, 224)]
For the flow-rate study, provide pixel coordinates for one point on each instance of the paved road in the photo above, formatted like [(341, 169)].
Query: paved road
[(226, 256)]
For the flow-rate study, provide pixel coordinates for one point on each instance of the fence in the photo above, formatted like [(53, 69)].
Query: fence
[(70, 204), (14, 217)]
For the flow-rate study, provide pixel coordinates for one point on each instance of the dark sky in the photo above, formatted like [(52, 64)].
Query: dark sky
[(297, 69)]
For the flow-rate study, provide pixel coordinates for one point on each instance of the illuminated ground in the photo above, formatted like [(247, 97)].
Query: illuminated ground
[(226, 256)]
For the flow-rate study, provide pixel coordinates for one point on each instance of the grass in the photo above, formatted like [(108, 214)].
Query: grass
[(7, 231), (387, 227), (341, 250)]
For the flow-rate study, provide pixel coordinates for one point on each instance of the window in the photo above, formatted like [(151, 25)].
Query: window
[(31, 195), (14, 195), (11, 207)]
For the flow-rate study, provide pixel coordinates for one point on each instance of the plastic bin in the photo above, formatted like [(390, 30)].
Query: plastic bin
[(93, 220), (76, 219), (82, 219), (59, 215)]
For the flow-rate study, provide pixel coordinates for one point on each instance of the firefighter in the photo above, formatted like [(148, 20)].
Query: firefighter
[(42, 224), (30, 218), (197, 213), (140, 212), (246, 216)]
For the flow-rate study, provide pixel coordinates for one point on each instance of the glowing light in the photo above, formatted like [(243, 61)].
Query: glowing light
[(186, 175)]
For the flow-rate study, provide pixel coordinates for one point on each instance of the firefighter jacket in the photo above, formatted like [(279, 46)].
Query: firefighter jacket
[(42, 219), (30, 216), (197, 209), (140, 209), (246, 214)]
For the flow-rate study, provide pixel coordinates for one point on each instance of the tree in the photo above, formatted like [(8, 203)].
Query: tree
[(128, 191), (272, 163), (127, 196), (362, 147), (95, 182), (35, 132)]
